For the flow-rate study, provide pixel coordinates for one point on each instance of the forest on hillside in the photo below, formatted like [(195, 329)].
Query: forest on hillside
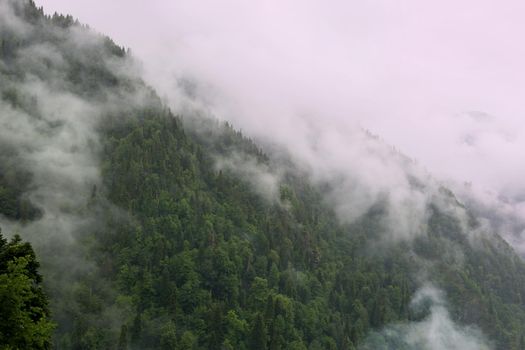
[(143, 242)]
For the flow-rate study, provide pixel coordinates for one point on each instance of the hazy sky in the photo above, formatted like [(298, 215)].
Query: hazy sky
[(441, 80)]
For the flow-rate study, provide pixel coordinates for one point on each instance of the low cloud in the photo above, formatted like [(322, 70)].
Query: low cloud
[(436, 331), (447, 95), (50, 132), (312, 93), (260, 176)]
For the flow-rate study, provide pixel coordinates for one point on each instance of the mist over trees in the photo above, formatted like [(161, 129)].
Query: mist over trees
[(156, 231)]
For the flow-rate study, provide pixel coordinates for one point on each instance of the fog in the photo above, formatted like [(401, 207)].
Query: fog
[(436, 331), (440, 84), (49, 133), (443, 81)]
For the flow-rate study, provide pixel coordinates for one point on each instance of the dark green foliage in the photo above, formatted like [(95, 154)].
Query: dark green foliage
[(12, 202), (24, 315), (217, 260), (205, 246), (191, 257), (259, 337)]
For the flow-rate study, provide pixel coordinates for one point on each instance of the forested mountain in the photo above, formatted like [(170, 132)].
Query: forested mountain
[(147, 240)]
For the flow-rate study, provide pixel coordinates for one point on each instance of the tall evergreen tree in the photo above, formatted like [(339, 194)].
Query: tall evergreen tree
[(24, 314)]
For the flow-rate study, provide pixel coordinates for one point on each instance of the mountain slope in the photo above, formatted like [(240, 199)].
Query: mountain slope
[(152, 235)]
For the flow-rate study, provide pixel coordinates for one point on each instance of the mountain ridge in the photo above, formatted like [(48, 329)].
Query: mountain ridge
[(167, 249)]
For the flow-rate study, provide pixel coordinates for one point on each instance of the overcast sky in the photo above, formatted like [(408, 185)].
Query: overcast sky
[(443, 81)]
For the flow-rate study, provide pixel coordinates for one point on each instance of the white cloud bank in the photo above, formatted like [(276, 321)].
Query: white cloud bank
[(442, 81)]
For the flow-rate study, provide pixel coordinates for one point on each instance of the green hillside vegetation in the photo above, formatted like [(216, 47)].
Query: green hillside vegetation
[(192, 257), (24, 321)]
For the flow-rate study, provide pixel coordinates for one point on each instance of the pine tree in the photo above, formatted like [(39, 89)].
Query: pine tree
[(259, 334), (24, 321)]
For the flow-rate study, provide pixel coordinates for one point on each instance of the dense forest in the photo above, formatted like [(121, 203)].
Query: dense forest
[(178, 253)]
